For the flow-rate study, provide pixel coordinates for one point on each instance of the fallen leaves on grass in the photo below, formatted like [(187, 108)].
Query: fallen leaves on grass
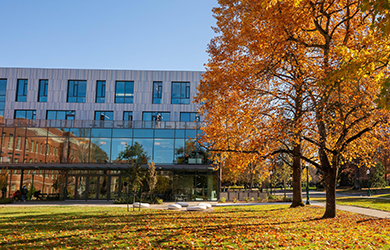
[(252, 227)]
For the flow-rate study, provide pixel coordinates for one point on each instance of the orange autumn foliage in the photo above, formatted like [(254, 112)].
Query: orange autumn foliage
[(296, 77)]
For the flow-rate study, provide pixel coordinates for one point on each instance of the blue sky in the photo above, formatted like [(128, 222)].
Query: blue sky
[(116, 34)]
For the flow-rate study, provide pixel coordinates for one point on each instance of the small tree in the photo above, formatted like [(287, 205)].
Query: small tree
[(137, 156), (151, 178), (377, 178), (3, 180)]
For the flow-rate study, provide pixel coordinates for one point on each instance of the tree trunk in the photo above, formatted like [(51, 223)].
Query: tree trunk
[(297, 180), (357, 179), (330, 176)]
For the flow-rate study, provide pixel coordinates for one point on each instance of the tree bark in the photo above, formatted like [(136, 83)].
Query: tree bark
[(330, 176), (297, 180)]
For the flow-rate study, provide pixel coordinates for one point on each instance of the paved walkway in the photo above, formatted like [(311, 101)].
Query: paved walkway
[(358, 210), (353, 209)]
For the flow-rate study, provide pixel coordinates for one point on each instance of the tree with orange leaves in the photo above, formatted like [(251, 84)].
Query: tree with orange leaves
[(293, 77)]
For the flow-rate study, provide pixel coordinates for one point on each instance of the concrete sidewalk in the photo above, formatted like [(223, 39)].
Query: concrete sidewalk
[(358, 210), (353, 209)]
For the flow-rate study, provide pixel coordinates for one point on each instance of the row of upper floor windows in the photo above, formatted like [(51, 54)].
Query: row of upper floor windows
[(107, 115), (77, 91)]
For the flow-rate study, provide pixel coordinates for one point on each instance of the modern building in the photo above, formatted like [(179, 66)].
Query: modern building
[(63, 131)]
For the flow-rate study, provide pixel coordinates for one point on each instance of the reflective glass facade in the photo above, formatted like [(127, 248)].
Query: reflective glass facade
[(100, 91), (77, 91), (99, 145), (157, 92), (127, 115), (3, 92), (165, 147), (124, 92), (79, 127), (21, 90), (189, 117), (25, 114), (180, 93), (104, 115), (42, 93), (60, 115)]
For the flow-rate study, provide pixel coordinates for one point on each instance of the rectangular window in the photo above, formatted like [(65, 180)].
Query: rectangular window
[(25, 114), (157, 92), (3, 91), (3, 139), (60, 115), (21, 91), (11, 141), (100, 91), (151, 116), (124, 92), (42, 92), (77, 91), (180, 93), (18, 142), (104, 115), (189, 117), (128, 115), (32, 146), (26, 145)]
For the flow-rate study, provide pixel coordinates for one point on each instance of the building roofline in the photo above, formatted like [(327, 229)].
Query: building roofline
[(146, 70)]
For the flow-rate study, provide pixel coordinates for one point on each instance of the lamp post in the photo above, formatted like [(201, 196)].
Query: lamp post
[(270, 181), (368, 177), (307, 186), (32, 185)]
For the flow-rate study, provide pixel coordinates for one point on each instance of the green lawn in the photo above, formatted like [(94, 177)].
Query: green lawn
[(379, 204), (383, 195), (249, 227)]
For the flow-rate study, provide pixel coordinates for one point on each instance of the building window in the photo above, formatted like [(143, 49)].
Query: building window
[(32, 146), (104, 115), (25, 114), (26, 145), (11, 141), (3, 91), (21, 91), (157, 92), (128, 115), (42, 93), (60, 115), (77, 91), (189, 117), (18, 142), (180, 93), (100, 91), (124, 92), (151, 116)]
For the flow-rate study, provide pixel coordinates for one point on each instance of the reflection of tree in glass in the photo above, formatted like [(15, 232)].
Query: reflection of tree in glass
[(191, 150), (135, 152), (136, 156), (98, 154)]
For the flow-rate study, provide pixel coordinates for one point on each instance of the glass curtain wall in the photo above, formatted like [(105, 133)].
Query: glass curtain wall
[(98, 145)]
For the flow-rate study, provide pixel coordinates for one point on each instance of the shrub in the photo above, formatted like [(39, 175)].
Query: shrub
[(6, 200), (122, 200), (246, 199), (159, 201), (223, 199), (271, 197), (252, 199), (287, 199), (234, 199)]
